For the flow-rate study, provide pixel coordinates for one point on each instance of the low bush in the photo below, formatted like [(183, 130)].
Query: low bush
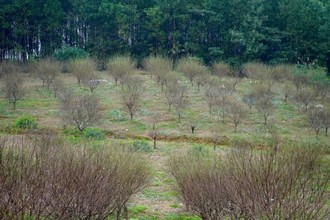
[(142, 146), (94, 134), (26, 122)]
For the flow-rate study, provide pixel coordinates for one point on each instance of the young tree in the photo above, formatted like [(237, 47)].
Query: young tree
[(265, 107), (304, 97), (190, 67), (121, 68), (13, 87), (238, 111), (47, 70), (131, 95), (158, 66), (212, 92), (180, 100), (316, 118), (80, 110), (221, 69), (171, 89), (83, 69), (224, 93)]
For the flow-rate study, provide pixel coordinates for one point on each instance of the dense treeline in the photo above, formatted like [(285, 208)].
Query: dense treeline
[(240, 30)]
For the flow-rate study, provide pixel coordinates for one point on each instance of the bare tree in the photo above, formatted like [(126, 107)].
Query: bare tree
[(121, 68), (180, 100), (287, 91), (13, 87), (224, 93), (221, 69), (304, 97), (80, 110), (47, 70), (250, 99), (83, 69), (326, 120), (57, 85), (91, 81), (265, 107), (171, 90), (154, 132), (300, 80), (238, 111), (212, 92), (316, 118), (158, 66), (131, 95), (191, 67)]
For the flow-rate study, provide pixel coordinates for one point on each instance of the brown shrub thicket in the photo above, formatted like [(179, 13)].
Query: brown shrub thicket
[(46, 71), (13, 87), (81, 111), (120, 68), (287, 183), (41, 178)]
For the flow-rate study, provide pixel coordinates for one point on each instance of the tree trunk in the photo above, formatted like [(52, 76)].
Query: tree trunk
[(155, 143)]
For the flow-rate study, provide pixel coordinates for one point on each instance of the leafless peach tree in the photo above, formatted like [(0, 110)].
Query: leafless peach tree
[(180, 100), (159, 67), (289, 183), (238, 111), (13, 87), (191, 67), (316, 117), (304, 97), (224, 93), (171, 90), (46, 71), (121, 68), (132, 94), (41, 178), (80, 110)]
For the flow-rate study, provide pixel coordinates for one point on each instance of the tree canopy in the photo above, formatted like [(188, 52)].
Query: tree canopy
[(232, 30)]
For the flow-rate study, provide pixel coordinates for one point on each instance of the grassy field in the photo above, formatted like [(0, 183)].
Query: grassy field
[(159, 200)]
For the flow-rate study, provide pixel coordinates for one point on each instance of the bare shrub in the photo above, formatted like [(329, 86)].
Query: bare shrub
[(190, 67), (13, 87), (120, 68), (238, 111), (83, 69), (46, 71), (290, 183), (221, 69), (81, 111), (250, 99), (131, 95), (44, 179), (158, 66), (304, 97)]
